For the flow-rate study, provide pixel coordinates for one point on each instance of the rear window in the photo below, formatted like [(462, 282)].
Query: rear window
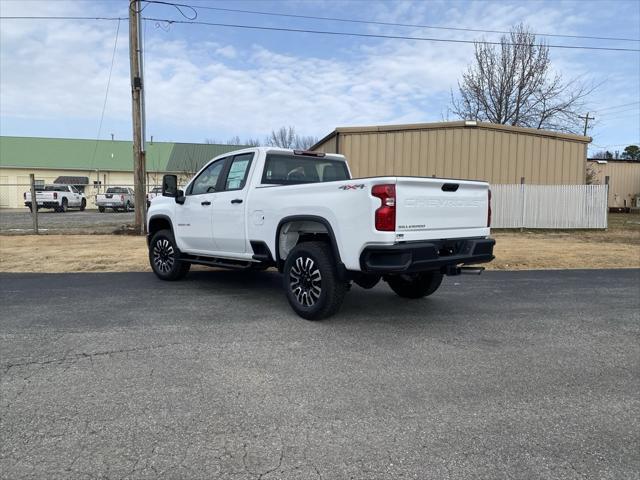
[(117, 190), (292, 170), (55, 188)]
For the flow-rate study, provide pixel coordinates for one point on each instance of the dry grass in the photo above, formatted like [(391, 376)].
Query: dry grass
[(73, 253), (617, 248)]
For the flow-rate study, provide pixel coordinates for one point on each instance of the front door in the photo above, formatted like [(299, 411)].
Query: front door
[(194, 218), (229, 209)]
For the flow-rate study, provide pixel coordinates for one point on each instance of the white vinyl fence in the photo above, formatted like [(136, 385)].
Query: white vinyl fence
[(549, 206)]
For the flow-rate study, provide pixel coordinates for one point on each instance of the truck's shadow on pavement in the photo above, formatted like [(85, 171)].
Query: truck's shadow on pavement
[(379, 304)]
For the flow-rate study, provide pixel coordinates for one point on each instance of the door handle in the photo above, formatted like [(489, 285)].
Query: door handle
[(236, 200), (205, 203)]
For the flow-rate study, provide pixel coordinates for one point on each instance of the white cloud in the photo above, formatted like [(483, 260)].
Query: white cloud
[(58, 70)]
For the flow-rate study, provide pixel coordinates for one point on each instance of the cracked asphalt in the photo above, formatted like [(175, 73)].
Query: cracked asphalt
[(510, 375)]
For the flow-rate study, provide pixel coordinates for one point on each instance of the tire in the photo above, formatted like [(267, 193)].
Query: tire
[(311, 281), (83, 205), (63, 206), (127, 207), (415, 286), (163, 257), (101, 209)]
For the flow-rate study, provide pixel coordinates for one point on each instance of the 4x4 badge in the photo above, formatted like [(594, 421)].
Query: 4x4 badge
[(352, 187)]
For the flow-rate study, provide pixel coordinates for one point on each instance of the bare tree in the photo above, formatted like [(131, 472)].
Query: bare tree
[(512, 84), (305, 142), (602, 154), (249, 142), (286, 137)]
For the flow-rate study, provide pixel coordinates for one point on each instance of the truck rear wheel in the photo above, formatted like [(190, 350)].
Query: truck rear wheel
[(164, 257), (311, 281), (416, 285), (63, 206), (101, 209)]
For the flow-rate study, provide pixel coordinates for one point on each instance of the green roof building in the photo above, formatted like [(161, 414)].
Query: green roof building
[(93, 165)]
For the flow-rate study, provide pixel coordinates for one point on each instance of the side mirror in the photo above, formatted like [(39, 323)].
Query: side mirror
[(170, 186)]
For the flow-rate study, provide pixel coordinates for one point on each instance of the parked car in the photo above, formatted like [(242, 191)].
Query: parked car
[(155, 192), (302, 213), (58, 197), (116, 198)]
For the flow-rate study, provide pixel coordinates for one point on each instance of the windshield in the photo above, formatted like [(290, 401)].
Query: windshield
[(117, 190), (293, 169)]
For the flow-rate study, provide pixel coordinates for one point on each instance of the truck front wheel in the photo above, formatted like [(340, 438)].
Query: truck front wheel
[(416, 285), (164, 257), (311, 281)]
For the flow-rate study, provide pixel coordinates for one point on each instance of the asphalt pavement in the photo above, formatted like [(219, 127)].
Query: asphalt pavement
[(71, 221), (510, 375)]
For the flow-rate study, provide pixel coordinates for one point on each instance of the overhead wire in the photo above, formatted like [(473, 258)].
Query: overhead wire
[(29, 17), (373, 22), (370, 35), (106, 95)]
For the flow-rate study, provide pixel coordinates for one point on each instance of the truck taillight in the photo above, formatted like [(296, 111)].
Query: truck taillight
[(24, 194), (489, 210), (386, 213), (55, 195)]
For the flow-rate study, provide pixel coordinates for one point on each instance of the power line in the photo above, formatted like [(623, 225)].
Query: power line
[(61, 18), (618, 112), (371, 35), (316, 32), (106, 94), (372, 22), (614, 107)]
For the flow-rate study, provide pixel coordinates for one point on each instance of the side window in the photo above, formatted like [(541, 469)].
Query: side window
[(238, 172), (208, 179)]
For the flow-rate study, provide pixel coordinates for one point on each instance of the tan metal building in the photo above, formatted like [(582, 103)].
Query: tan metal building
[(499, 154), (623, 178)]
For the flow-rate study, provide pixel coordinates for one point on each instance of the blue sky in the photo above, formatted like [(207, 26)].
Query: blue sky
[(214, 83)]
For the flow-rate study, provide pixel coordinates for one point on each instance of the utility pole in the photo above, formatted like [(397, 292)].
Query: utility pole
[(34, 202), (586, 119), (137, 110)]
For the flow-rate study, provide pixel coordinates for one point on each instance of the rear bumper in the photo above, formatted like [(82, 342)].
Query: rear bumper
[(42, 204), (411, 257)]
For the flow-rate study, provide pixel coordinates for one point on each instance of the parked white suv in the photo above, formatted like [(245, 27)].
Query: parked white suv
[(302, 213)]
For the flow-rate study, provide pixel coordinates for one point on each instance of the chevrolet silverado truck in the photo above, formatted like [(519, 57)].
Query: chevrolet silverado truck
[(302, 213), (58, 197), (116, 198)]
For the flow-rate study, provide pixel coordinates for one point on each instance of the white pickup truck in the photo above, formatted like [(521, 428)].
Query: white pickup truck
[(302, 213), (58, 197), (116, 198)]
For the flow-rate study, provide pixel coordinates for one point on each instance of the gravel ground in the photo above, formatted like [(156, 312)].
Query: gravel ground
[(72, 221), (510, 375)]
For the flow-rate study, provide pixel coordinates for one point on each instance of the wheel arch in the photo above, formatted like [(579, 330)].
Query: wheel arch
[(308, 220), (157, 223)]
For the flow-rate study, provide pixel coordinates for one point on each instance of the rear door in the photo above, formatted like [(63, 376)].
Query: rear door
[(75, 198), (425, 204), (229, 208)]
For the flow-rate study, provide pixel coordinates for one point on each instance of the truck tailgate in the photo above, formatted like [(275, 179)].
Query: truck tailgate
[(430, 204)]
